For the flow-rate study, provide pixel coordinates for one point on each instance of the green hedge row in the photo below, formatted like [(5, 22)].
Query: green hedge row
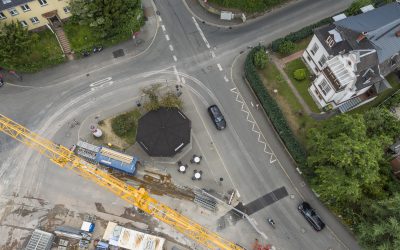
[(300, 34), (273, 111)]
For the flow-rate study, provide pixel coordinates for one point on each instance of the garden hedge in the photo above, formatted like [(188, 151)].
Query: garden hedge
[(300, 34), (272, 109)]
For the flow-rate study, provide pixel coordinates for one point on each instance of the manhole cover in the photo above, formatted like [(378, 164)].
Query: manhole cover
[(118, 53)]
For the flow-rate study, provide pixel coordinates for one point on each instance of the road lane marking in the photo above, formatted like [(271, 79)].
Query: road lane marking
[(183, 80), (226, 79), (171, 48), (167, 37), (175, 59), (159, 18), (212, 54), (101, 83), (201, 32), (163, 27), (220, 67)]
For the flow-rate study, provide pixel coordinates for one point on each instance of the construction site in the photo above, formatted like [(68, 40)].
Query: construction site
[(182, 184)]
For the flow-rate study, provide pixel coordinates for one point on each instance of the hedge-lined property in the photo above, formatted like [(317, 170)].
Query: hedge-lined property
[(299, 35), (272, 109)]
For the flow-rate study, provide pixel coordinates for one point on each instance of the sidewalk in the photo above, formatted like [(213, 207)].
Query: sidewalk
[(204, 16), (81, 67), (341, 233)]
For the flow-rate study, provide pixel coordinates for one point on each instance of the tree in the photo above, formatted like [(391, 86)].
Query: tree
[(14, 40), (380, 227), (171, 100), (122, 124), (354, 8), (108, 18), (300, 74), (346, 161), (260, 59), (381, 122), (286, 47)]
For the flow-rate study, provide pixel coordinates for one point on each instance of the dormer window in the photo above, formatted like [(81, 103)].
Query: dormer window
[(330, 41)]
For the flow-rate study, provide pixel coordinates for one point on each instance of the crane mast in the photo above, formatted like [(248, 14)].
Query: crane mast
[(140, 198)]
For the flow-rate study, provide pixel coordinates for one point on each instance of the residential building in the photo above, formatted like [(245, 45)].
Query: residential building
[(352, 56), (34, 14)]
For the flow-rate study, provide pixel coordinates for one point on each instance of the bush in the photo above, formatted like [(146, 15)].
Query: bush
[(300, 34), (273, 111), (354, 8), (122, 124), (300, 74), (260, 59), (286, 47)]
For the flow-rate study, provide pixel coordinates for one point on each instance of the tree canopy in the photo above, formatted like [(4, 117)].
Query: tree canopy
[(15, 40), (108, 18)]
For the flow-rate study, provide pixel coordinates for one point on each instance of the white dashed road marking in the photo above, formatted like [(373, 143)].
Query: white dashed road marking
[(226, 79), (159, 18), (171, 48), (175, 59), (219, 67), (183, 80), (201, 32), (163, 27), (101, 83), (212, 54), (249, 117), (167, 37)]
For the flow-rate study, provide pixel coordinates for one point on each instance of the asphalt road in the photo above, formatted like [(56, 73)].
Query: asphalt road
[(205, 54)]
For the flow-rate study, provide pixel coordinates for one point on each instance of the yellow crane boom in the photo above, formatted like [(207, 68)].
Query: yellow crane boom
[(65, 158)]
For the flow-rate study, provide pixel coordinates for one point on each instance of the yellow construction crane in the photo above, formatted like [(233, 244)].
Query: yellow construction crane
[(65, 158)]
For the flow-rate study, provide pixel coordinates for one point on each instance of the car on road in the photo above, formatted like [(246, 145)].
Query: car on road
[(311, 216), (217, 117)]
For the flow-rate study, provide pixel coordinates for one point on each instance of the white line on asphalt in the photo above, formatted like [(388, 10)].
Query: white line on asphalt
[(171, 48), (94, 84), (167, 37), (226, 79), (201, 32), (219, 67), (183, 80), (232, 89), (163, 27), (175, 59), (178, 79), (212, 54), (159, 18)]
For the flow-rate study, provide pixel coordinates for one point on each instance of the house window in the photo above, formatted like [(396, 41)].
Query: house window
[(330, 41), (23, 23), (13, 12), (42, 2), (67, 9), (2, 16), (6, 1), (309, 58), (322, 61), (325, 88), (34, 20), (314, 49), (25, 8)]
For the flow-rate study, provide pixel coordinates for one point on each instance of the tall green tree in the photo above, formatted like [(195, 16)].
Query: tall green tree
[(346, 161), (381, 122), (15, 40), (260, 59), (108, 18)]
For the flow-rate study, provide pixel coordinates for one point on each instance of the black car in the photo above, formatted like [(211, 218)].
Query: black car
[(217, 117), (311, 216)]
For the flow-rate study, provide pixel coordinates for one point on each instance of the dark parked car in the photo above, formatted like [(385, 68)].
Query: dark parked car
[(217, 117), (311, 216)]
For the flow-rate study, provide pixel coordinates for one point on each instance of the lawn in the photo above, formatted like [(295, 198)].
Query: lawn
[(394, 82), (301, 86), (46, 52), (82, 37), (298, 121)]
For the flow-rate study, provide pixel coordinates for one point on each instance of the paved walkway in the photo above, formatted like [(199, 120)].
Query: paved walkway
[(280, 64)]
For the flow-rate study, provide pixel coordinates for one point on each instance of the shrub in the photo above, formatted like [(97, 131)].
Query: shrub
[(300, 34), (260, 59), (286, 47), (300, 74), (354, 8), (273, 111), (171, 100), (122, 124)]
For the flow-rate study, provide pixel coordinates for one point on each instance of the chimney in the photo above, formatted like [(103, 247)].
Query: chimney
[(361, 37), (398, 33)]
